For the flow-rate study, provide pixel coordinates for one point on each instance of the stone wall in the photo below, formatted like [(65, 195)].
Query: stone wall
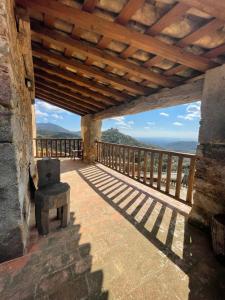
[(209, 197), (15, 130)]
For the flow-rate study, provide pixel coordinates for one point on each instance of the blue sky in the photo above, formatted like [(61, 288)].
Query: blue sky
[(181, 122)]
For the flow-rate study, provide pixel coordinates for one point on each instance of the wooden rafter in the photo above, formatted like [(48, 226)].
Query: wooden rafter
[(61, 97), (47, 80), (90, 71), (74, 99), (74, 45), (211, 7), (60, 104), (208, 28), (84, 82), (120, 33), (124, 16), (86, 94)]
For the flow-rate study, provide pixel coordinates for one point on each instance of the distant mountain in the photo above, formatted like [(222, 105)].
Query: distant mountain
[(183, 146), (49, 130), (114, 136)]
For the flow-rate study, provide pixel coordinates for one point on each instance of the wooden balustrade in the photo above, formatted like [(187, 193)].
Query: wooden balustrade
[(166, 171), (58, 147)]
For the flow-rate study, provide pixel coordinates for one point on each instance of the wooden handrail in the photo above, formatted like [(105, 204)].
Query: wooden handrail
[(46, 147), (167, 171)]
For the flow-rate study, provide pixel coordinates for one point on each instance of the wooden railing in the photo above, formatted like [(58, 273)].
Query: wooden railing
[(58, 147), (166, 171)]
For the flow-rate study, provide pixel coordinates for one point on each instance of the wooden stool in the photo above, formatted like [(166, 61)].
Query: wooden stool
[(51, 194)]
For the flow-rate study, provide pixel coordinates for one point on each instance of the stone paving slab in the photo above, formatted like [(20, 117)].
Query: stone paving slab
[(125, 241)]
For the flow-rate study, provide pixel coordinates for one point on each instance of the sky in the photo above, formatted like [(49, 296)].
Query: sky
[(181, 121)]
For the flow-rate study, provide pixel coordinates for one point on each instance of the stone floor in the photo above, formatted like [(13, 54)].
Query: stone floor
[(125, 241)]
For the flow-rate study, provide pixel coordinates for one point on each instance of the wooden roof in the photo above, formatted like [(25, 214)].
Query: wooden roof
[(91, 55)]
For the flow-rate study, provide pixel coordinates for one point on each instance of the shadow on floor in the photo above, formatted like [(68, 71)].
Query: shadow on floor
[(165, 226), (56, 267)]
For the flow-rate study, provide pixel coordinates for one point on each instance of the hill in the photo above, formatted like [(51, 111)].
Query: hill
[(114, 136), (49, 130)]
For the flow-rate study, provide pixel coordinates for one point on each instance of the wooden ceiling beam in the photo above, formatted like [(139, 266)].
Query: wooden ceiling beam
[(64, 95), (186, 93), (85, 82), (42, 96), (46, 80), (118, 32), (73, 87), (90, 71), (213, 8), (54, 96), (95, 54)]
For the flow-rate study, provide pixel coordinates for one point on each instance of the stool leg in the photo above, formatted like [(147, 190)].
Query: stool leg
[(65, 215), (38, 218), (45, 221), (59, 213)]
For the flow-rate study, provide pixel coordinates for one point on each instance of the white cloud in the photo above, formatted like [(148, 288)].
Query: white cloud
[(177, 124), (40, 113), (151, 123), (56, 116), (121, 123), (164, 114), (192, 112), (48, 108)]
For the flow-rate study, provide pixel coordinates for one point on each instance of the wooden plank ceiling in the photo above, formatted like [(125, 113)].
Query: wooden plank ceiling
[(91, 55)]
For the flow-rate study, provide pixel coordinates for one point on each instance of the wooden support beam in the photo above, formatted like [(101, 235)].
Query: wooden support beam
[(90, 84), (90, 71), (95, 54), (186, 93), (65, 96), (117, 32), (42, 96), (54, 85), (72, 87)]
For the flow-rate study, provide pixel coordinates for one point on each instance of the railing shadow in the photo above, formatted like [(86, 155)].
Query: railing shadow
[(55, 267), (164, 225)]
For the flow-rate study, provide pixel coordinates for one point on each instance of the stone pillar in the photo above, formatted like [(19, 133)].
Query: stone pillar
[(209, 197), (16, 94), (90, 133)]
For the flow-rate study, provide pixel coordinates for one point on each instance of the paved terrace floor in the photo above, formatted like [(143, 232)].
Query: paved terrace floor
[(125, 241)]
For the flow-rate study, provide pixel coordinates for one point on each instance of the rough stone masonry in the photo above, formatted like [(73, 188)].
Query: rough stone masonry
[(209, 196), (16, 121)]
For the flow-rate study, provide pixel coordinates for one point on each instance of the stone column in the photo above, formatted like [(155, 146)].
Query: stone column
[(90, 133), (209, 197), (16, 157)]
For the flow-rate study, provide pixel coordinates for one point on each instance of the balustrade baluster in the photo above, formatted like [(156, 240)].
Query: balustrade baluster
[(159, 179), (179, 177), (145, 166), (191, 176), (168, 173), (152, 169)]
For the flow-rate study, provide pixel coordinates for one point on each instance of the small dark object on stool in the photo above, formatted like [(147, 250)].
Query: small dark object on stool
[(51, 193)]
